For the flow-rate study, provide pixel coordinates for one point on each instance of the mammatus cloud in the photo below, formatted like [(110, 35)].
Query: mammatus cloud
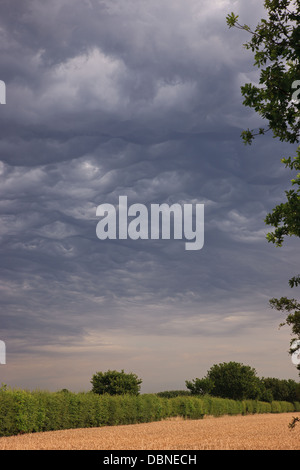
[(139, 99)]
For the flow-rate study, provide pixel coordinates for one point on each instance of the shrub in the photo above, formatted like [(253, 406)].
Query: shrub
[(115, 383), (228, 380), (25, 412)]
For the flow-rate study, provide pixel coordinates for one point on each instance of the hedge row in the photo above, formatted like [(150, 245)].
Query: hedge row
[(25, 412)]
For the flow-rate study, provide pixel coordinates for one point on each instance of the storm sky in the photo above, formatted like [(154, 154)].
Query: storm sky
[(136, 98)]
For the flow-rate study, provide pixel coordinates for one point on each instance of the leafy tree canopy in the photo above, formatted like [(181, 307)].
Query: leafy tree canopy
[(240, 382), (275, 43), (113, 382), (228, 380)]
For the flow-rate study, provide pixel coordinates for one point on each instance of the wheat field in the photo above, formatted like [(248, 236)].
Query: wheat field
[(252, 432)]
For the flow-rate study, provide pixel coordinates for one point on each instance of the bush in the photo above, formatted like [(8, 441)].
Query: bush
[(228, 380), (296, 406), (113, 382), (26, 412)]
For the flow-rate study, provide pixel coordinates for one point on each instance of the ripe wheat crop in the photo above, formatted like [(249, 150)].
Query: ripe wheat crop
[(251, 432)]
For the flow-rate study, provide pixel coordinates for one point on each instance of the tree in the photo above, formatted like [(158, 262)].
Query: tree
[(276, 46), (282, 390), (275, 43), (228, 380), (200, 386), (113, 382)]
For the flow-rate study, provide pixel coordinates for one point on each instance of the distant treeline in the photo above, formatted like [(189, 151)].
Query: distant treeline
[(174, 393), (271, 389), (239, 382), (37, 411)]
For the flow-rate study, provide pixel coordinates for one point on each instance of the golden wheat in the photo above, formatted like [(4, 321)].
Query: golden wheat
[(252, 432)]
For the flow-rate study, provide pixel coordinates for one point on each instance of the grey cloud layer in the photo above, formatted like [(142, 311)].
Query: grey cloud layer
[(132, 98)]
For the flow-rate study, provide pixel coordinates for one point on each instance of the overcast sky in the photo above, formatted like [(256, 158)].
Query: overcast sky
[(138, 98)]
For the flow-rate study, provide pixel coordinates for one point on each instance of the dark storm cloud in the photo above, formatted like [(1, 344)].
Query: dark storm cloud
[(140, 99)]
